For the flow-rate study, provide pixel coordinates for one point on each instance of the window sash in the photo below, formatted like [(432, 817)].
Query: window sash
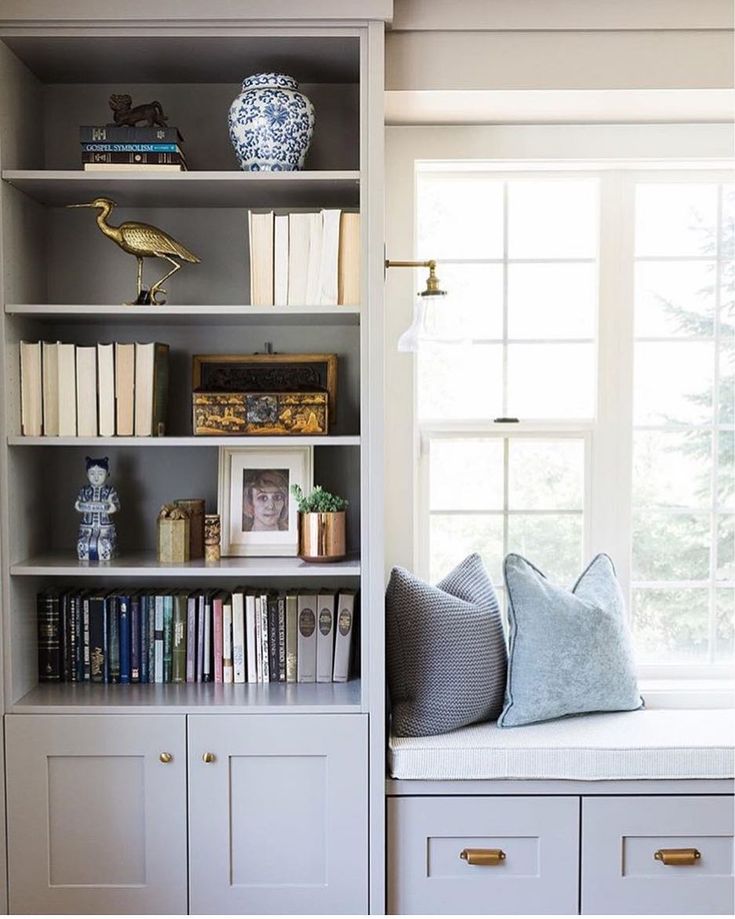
[(608, 505)]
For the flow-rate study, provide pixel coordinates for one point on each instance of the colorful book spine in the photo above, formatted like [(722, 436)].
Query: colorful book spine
[(218, 636), (272, 605), (135, 644), (200, 637), (159, 639), (107, 147), (98, 661), (228, 671), (151, 643), (168, 638), (124, 134), (136, 159), (265, 662), (191, 638), (85, 640), (113, 637), (178, 670), (207, 662), (50, 643), (123, 608)]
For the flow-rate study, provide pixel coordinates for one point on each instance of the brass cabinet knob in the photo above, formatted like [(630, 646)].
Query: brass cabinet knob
[(208, 758), (166, 757), (482, 856), (677, 856)]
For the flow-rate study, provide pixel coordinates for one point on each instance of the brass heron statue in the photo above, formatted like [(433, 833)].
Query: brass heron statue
[(143, 241)]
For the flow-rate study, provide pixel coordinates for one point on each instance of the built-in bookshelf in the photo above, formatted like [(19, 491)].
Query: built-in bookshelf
[(61, 281)]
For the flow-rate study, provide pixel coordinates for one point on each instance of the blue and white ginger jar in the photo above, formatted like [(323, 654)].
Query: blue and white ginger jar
[(271, 124)]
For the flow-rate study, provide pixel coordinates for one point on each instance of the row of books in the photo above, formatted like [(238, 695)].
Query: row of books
[(89, 391), (304, 258), (118, 148), (149, 636)]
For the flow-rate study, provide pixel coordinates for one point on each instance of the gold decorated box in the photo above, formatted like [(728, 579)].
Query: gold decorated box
[(266, 413)]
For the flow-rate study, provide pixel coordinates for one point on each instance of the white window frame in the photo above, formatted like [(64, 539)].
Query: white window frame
[(608, 438)]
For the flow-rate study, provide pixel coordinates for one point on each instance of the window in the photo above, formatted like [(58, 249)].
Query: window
[(599, 311)]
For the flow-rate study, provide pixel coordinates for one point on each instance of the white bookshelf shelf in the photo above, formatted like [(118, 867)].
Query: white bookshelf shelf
[(189, 314), (323, 188), (173, 698), (145, 565), (346, 440)]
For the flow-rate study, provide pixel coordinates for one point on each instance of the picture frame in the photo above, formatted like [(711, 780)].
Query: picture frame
[(258, 512), (267, 373)]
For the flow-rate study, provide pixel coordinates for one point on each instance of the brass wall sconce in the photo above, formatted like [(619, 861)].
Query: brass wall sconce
[(425, 325)]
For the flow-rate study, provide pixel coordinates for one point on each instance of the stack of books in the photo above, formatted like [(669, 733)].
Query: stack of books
[(177, 636), (304, 259), (119, 149), (103, 390)]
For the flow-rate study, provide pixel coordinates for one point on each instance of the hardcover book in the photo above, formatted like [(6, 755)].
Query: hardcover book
[(123, 606), (151, 388), (67, 390), (217, 635), (31, 389), (122, 134), (191, 637), (238, 638), (180, 615), (159, 638), (50, 642), (343, 637), (292, 633), (135, 642), (113, 637), (306, 655), (251, 638), (50, 381), (98, 660), (87, 391), (325, 636), (228, 672)]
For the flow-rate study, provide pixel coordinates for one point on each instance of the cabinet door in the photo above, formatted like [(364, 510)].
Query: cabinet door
[(621, 873), (278, 816), (96, 821), (440, 855)]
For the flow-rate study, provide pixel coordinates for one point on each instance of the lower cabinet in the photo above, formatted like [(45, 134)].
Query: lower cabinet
[(99, 807), (96, 818), (278, 814), (641, 854), (483, 855), (658, 855)]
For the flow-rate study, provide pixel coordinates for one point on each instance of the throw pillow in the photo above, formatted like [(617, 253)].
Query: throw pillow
[(446, 650), (570, 651)]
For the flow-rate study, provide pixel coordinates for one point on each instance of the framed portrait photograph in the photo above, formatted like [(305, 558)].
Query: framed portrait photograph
[(258, 512)]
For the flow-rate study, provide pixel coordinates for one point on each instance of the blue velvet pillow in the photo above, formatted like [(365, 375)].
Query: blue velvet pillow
[(570, 651)]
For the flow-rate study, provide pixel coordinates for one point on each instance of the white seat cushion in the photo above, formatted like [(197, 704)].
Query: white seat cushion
[(647, 744)]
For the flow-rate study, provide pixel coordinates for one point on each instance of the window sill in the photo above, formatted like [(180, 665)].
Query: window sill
[(688, 693)]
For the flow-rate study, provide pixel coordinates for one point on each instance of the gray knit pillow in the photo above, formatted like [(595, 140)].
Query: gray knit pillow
[(446, 650)]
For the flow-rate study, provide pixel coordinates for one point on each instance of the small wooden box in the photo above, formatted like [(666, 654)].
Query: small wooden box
[(173, 540), (266, 413)]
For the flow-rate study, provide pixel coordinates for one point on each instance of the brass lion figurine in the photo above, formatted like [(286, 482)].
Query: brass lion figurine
[(149, 114)]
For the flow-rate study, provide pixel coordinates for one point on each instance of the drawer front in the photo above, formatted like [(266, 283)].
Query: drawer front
[(538, 836), (621, 836)]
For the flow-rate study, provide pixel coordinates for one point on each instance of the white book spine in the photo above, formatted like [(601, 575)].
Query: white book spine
[(311, 295), (106, 389), (298, 257), (227, 661), (306, 654), (87, 391), (329, 257), (250, 639), (50, 360), (238, 637), (67, 390), (343, 636), (280, 260), (325, 637), (31, 389)]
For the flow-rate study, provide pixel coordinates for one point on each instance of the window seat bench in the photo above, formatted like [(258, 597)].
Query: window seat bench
[(621, 813), (646, 744)]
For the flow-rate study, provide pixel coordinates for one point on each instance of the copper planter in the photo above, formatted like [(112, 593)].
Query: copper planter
[(322, 537)]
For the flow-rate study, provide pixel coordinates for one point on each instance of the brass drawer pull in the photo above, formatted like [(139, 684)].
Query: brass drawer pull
[(482, 856), (166, 758), (678, 856), (208, 758)]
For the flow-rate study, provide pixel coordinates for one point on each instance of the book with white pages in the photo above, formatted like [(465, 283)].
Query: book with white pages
[(329, 257), (31, 389), (106, 389), (50, 384), (124, 389), (348, 272), (280, 260), (299, 230), (87, 391), (260, 229), (311, 295), (67, 388)]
